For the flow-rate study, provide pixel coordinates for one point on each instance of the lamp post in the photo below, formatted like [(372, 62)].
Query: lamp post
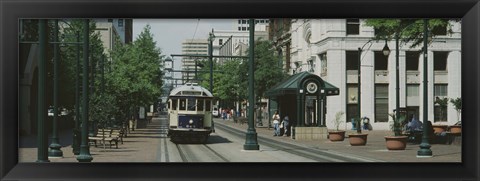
[(425, 150), (42, 154), (424, 146), (251, 142), (84, 155), (385, 52), (76, 130), (397, 80), (211, 37), (55, 146)]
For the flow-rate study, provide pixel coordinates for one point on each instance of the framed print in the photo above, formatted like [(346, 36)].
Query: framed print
[(331, 66)]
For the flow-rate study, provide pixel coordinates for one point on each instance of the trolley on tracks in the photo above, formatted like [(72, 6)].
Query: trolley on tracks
[(190, 114)]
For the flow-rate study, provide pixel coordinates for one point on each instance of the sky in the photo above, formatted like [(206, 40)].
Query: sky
[(170, 33)]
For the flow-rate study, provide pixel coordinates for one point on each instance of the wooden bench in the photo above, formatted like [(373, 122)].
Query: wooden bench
[(104, 136)]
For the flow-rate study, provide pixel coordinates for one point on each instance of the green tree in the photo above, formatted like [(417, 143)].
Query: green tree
[(135, 77), (410, 30), (268, 70)]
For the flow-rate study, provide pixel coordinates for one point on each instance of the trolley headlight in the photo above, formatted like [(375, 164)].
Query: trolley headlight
[(190, 122)]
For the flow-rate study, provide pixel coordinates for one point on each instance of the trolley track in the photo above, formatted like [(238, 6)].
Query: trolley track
[(199, 153), (315, 154)]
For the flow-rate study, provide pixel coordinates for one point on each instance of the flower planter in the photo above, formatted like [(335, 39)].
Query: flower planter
[(437, 129), (455, 129), (336, 135), (358, 139), (396, 142)]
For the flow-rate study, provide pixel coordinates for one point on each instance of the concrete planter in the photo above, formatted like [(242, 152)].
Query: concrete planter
[(358, 139), (455, 129), (437, 129), (336, 135), (396, 142)]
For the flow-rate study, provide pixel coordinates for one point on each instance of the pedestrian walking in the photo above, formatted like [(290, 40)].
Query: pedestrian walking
[(276, 124), (286, 126)]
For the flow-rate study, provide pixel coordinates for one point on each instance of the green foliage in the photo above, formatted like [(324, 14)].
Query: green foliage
[(231, 84), (398, 125), (410, 30), (338, 119), (457, 103), (135, 77)]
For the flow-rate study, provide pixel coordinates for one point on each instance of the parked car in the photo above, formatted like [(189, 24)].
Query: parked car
[(215, 112)]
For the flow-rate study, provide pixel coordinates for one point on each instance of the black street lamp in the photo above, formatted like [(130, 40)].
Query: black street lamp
[(425, 146), (425, 151), (251, 142), (386, 52), (84, 155), (42, 154), (55, 146), (76, 130)]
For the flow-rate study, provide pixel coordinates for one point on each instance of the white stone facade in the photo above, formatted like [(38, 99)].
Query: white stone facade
[(320, 46)]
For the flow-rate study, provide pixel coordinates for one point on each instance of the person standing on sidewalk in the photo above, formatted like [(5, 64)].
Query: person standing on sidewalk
[(276, 124)]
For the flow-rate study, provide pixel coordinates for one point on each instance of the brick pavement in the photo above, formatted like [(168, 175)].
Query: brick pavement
[(140, 147), (374, 149)]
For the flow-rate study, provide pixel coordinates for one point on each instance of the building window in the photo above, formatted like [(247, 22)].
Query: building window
[(381, 61), (244, 28), (440, 61), (352, 60), (353, 26), (120, 22), (323, 62), (411, 60), (220, 41), (413, 99), (239, 28), (311, 65), (239, 21), (381, 102), (352, 101), (244, 21), (440, 102)]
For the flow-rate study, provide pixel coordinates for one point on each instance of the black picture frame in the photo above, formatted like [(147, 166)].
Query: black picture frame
[(11, 11)]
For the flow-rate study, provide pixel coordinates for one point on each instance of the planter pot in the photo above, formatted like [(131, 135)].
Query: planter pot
[(336, 135), (456, 129), (396, 142), (358, 139), (437, 129)]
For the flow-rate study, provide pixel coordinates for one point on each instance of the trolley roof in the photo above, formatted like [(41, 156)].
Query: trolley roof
[(190, 89)]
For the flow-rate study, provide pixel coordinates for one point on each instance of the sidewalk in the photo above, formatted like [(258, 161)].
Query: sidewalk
[(142, 145), (375, 148)]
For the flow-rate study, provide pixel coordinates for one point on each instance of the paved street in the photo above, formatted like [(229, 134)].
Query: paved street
[(226, 145)]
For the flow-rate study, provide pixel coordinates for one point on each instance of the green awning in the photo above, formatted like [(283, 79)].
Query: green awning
[(290, 86)]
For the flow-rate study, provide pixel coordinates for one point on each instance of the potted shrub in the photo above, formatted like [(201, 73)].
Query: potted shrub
[(358, 138), (457, 104), (337, 135), (397, 141), (443, 103)]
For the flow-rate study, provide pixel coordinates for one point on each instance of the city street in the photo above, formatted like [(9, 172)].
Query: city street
[(226, 145)]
